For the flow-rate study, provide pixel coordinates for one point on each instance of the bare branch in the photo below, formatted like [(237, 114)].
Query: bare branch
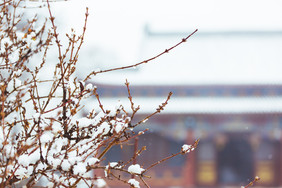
[(142, 62)]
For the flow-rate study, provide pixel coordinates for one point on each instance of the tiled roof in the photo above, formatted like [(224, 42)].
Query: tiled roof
[(233, 59), (200, 105)]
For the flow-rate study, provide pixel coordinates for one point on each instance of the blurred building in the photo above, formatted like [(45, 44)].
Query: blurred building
[(227, 91)]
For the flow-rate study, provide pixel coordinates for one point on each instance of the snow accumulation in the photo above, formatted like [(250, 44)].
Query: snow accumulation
[(111, 165), (89, 86), (134, 183), (92, 161), (80, 169), (135, 169), (100, 183), (66, 165), (187, 148), (46, 137), (105, 127)]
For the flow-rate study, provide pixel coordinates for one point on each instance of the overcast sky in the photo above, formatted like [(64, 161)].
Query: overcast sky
[(115, 29), (118, 25)]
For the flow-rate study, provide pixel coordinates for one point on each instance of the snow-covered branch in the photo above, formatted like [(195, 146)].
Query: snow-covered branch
[(45, 132)]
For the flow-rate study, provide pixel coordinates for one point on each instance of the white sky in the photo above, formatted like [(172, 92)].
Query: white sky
[(118, 25), (115, 28)]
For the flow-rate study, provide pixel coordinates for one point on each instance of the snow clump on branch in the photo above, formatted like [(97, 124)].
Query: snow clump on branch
[(135, 169), (134, 183)]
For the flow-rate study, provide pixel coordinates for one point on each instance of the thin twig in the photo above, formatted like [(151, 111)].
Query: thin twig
[(6, 2), (145, 183), (158, 110), (252, 182), (142, 62), (134, 110), (98, 99), (194, 146)]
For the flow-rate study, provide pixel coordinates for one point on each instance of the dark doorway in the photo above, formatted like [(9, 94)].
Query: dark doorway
[(235, 161)]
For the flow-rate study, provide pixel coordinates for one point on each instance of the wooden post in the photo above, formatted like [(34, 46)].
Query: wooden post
[(190, 163), (280, 154)]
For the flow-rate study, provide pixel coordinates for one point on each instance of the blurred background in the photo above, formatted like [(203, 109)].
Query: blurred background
[(226, 82)]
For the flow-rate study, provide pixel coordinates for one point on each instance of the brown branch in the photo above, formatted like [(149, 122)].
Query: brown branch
[(117, 177), (135, 136), (252, 182), (6, 2), (194, 146), (142, 62), (158, 110), (73, 59), (108, 147), (145, 183), (134, 110), (62, 68), (82, 35), (55, 32), (98, 99), (137, 153)]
